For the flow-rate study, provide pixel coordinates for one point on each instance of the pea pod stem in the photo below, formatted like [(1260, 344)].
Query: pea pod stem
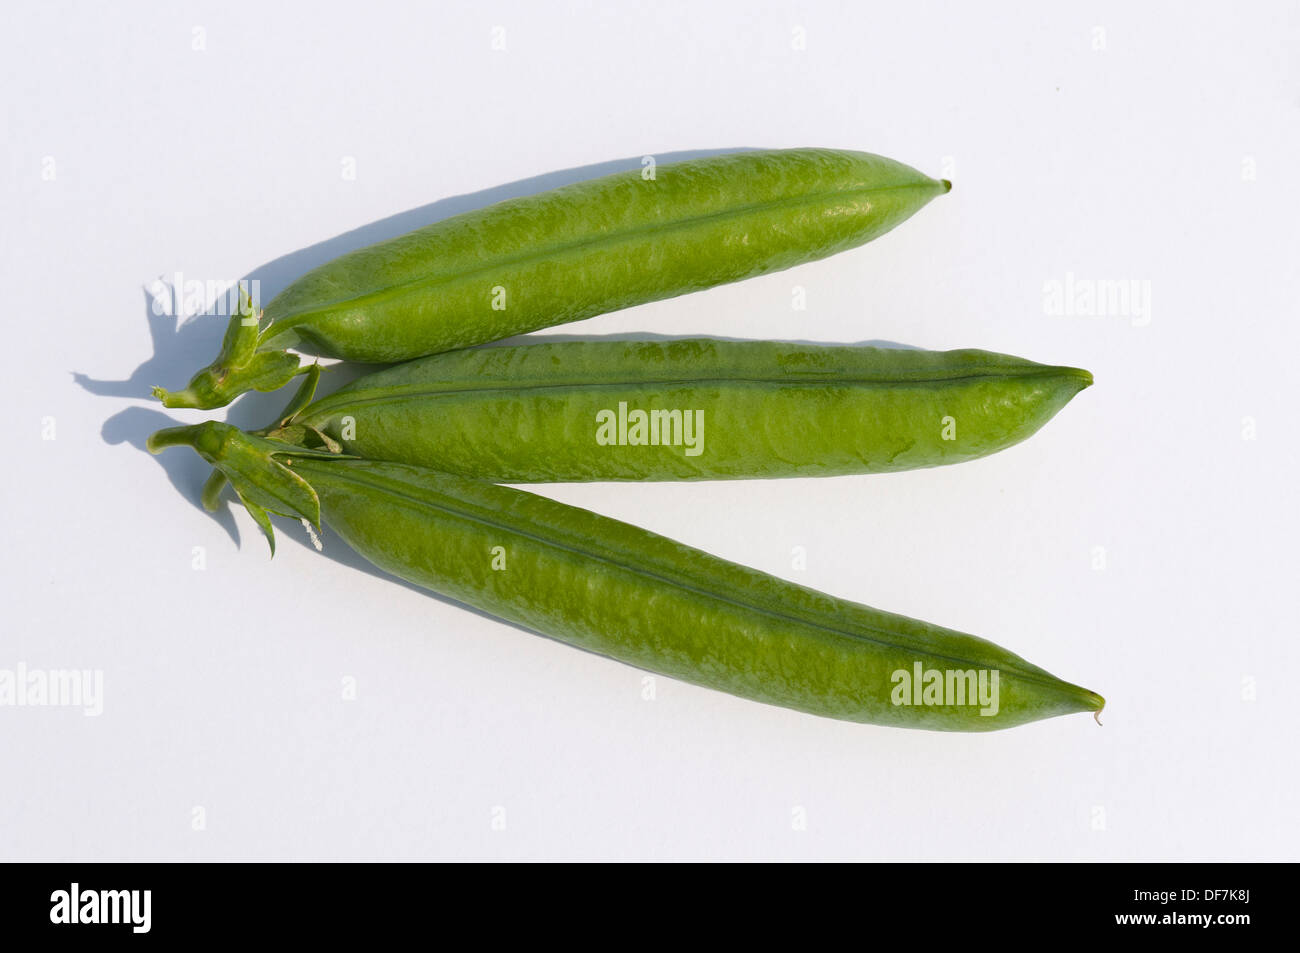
[(565, 255), (619, 590)]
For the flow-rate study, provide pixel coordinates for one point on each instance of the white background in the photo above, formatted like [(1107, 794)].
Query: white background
[(1143, 544)]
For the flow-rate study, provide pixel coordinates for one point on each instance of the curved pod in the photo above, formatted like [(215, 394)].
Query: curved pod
[(567, 254), (629, 594)]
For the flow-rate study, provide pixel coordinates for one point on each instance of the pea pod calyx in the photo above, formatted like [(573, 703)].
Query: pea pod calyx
[(238, 368), (255, 466)]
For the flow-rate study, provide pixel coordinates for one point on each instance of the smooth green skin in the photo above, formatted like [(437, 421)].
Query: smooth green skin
[(572, 253), (528, 414), (629, 594)]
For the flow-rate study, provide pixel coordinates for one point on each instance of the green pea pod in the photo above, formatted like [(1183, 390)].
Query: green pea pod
[(693, 409), (564, 255), (629, 594)]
